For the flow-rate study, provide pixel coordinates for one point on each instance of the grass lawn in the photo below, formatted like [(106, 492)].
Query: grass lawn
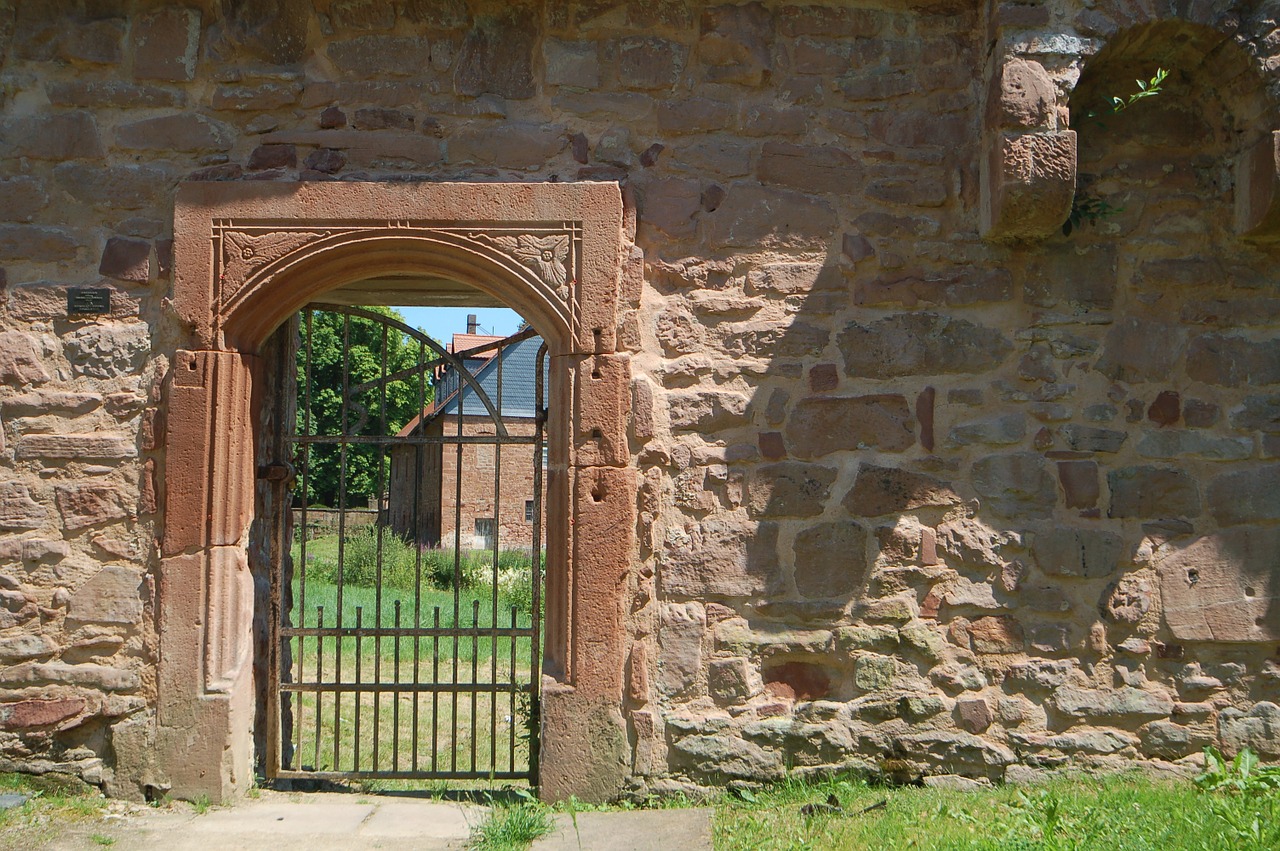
[(55, 807), (1126, 811)]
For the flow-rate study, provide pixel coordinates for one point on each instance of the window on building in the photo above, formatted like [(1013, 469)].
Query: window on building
[(528, 511), (484, 533)]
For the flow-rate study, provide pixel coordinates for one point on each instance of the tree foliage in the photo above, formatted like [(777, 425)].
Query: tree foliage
[(365, 350)]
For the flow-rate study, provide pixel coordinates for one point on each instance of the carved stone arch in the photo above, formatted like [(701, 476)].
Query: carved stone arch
[(249, 255)]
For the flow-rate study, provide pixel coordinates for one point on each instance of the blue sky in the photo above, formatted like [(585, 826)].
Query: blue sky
[(443, 322)]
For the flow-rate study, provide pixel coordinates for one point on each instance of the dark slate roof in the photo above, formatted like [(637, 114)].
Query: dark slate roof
[(519, 364)]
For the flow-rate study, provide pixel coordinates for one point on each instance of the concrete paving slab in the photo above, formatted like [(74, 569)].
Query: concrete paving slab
[(285, 818), (639, 830), (422, 820)]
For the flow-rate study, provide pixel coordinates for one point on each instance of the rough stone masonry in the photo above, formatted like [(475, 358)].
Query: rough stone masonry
[(926, 485)]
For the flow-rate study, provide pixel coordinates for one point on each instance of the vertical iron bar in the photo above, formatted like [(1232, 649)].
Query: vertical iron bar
[(511, 757), (395, 698), (500, 354), (355, 759), (457, 578), (342, 531), (419, 453), (475, 661), (535, 608), (377, 588), (319, 681), (305, 474), (435, 693)]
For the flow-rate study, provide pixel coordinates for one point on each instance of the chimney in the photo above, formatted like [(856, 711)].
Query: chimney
[(472, 324)]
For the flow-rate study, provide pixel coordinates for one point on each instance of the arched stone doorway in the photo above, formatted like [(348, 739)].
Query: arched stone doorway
[(247, 256)]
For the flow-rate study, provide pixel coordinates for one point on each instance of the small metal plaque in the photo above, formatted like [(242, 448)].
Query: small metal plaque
[(87, 300)]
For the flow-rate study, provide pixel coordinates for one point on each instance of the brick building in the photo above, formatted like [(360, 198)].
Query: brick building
[(492, 500), (853, 452)]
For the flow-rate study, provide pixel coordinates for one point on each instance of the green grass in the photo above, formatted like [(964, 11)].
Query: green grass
[(1126, 811), (56, 806), (512, 828)]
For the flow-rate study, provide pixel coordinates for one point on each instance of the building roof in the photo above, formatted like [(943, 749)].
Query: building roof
[(517, 364)]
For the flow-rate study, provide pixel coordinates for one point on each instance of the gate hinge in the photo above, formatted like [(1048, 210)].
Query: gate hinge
[(280, 471)]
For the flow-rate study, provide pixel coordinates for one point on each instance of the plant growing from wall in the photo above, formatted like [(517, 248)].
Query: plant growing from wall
[(1087, 207)]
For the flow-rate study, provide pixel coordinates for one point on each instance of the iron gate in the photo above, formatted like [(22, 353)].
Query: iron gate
[(405, 638)]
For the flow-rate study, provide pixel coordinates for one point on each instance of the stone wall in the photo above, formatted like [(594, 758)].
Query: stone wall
[(927, 485)]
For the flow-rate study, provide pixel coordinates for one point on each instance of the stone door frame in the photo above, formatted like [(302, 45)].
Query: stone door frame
[(247, 256)]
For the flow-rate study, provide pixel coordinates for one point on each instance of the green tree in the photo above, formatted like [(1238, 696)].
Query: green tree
[(373, 350)]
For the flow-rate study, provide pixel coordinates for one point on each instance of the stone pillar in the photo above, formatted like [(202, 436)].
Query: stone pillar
[(1258, 189), (585, 746), (1028, 164), (205, 712)]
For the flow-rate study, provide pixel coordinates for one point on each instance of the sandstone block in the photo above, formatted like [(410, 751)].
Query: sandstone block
[(97, 446), (874, 673), (1220, 587), (1128, 599), (1086, 552), (813, 169), (89, 504), (512, 145), (58, 136), (1168, 444), (1021, 96), (26, 714), (1079, 480), (115, 94), (1092, 439), (106, 351), (820, 425), (17, 509), (1123, 702), (112, 595), (1230, 360), (706, 410), (20, 648), (995, 431), (126, 259), (789, 489), (166, 45), (722, 756), (1028, 182), (20, 360), (1138, 349), (571, 63), (1152, 492), (37, 244), (736, 43), (761, 216), (24, 197), (887, 490), (670, 205), (186, 131), (1259, 729), (1172, 741), (496, 56), (830, 560), (954, 751), (974, 714), (920, 344), (128, 187), (1082, 279), (729, 680), (1257, 413), (649, 62), (101, 677), (681, 631), (996, 634), (720, 557), (1015, 485)]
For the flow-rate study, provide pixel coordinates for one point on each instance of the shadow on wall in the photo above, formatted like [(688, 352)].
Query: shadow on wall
[(962, 504)]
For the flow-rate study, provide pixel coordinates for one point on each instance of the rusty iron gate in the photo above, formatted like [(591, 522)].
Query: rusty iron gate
[(405, 632)]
